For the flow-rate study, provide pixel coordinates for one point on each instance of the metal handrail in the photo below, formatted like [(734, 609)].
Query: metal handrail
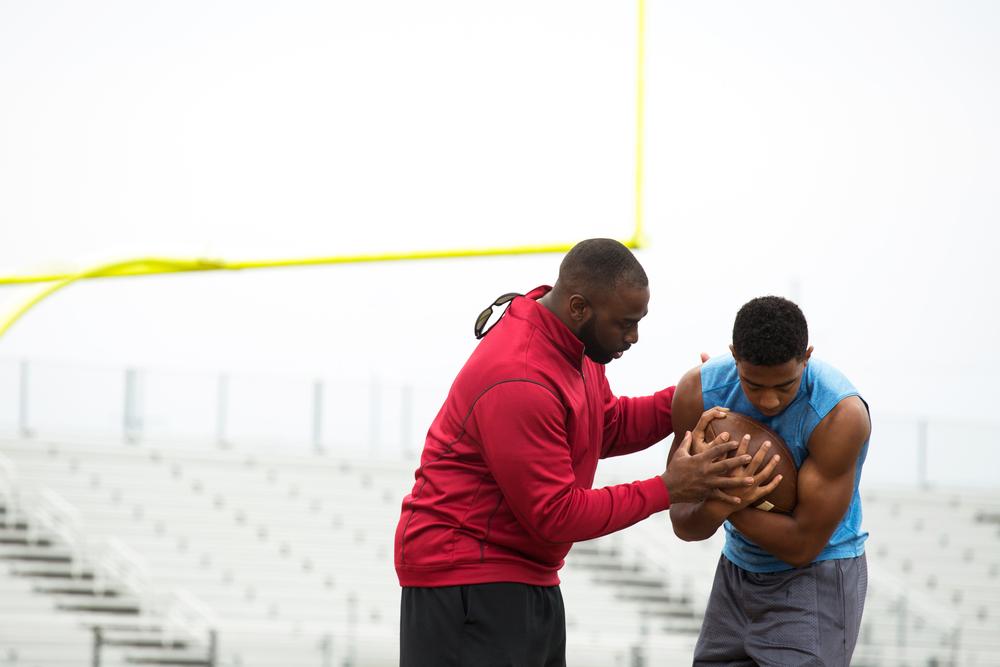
[(9, 489), (123, 565), (919, 606), (187, 617), (62, 519)]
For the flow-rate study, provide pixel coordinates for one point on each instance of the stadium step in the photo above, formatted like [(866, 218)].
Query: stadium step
[(168, 657), (139, 638), (100, 606), (33, 553), (631, 581), (80, 596), (179, 662), (141, 625), (661, 609), (641, 586), (18, 524), (77, 588), (151, 642), (43, 570), (648, 596), (683, 626), (17, 533), (22, 540)]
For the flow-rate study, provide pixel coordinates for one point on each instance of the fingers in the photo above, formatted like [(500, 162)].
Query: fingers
[(684, 449), (742, 448), (706, 417), (720, 465), (767, 470), (717, 494), (770, 486), (722, 437), (730, 482), (758, 458), (719, 439), (721, 449)]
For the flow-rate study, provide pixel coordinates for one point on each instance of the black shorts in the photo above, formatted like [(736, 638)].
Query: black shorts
[(482, 625)]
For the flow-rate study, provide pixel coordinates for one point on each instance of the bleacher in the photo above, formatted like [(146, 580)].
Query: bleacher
[(933, 579), (287, 559), (940, 569)]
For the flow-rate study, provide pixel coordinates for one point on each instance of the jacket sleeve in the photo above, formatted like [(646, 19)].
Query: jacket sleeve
[(521, 427), (633, 424)]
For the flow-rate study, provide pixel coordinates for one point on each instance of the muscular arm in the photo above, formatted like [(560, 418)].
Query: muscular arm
[(825, 487), (633, 424), (693, 521)]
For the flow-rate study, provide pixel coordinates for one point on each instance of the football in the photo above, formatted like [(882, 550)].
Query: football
[(784, 497)]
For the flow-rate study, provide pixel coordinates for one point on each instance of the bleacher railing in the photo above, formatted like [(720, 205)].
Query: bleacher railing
[(9, 490), (920, 625), (187, 618), (119, 565), (387, 419), (52, 513)]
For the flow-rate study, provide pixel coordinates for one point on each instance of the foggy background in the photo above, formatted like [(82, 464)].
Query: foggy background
[(845, 156)]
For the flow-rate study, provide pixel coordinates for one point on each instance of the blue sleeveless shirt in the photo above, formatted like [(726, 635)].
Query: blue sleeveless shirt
[(822, 388)]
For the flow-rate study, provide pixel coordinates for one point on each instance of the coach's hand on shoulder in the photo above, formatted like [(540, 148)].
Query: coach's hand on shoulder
[(690, 478)]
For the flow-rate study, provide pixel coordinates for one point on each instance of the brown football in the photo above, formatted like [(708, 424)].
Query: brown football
[(783, 498)]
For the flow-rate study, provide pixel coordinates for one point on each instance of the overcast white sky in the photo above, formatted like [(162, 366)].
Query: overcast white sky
[(844, 154)]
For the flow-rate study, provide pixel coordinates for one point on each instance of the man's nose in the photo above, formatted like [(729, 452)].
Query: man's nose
[(632, 337), (770, 401)]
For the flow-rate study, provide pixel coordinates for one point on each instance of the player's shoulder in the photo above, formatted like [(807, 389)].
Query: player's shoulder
[(843, 414), (690, 383), (850, 412), (847, 422), (827, 387), (692, 395), (687, 400)]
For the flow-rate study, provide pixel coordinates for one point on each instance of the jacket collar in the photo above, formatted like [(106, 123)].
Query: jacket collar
[(528, 309)]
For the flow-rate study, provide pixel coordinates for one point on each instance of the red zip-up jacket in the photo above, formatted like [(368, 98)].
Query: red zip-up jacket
[(504, 484)]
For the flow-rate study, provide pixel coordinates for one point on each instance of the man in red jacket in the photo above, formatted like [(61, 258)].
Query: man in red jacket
[(504, 484)]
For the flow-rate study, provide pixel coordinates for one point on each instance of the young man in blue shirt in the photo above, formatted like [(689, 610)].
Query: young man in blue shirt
[(789, 588)]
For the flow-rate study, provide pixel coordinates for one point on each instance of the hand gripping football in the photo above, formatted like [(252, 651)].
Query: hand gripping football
[(784, 497)]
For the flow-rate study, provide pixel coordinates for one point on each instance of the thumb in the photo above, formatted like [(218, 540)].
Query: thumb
[(685, 447)]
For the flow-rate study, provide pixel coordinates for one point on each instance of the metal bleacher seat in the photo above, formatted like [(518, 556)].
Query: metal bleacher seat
[(292, 553)]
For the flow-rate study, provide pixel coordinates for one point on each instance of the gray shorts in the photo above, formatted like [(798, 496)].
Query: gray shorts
[(809, 616)]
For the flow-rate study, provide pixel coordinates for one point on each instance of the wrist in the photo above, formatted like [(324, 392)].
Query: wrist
[(721, 509)]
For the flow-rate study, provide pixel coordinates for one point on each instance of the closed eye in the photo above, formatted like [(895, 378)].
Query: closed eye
[(783, 385)]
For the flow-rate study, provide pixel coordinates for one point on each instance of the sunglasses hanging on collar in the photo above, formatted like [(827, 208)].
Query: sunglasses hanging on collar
[(484, 316)]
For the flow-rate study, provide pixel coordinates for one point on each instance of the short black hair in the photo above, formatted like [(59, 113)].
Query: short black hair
[(599, 264), (769, 331)]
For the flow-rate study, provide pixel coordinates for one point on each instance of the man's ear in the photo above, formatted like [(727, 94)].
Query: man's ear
[(809, 351), (579, 308), (733, 351)]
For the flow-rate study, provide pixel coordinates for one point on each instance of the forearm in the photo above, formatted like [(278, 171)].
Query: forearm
[(694, 522), (633, 424), (584, 514), (781, 535), (800, 537)]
